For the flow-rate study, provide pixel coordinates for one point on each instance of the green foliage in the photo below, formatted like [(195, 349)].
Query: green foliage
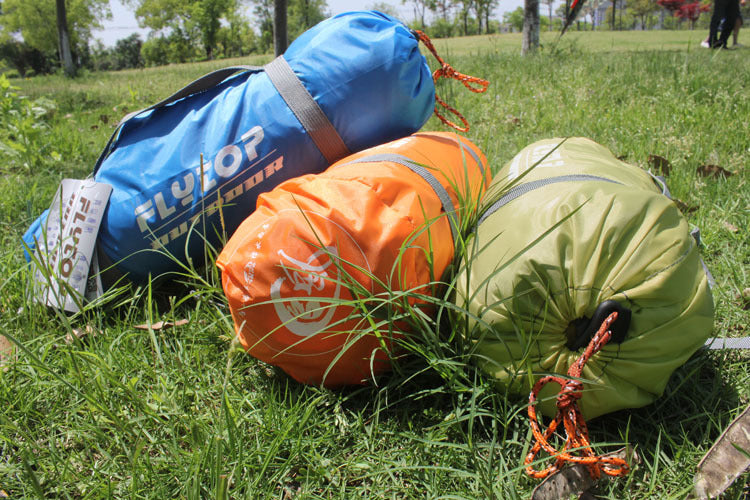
[(514, 18), (237, 38), (125, 54), (23, 125), (37, 22), (196, 21), (24, 58), (301, 15), (182, 413), (174, 48)]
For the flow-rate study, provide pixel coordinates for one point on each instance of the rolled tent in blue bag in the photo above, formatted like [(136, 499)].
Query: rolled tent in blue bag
[(195, 163)]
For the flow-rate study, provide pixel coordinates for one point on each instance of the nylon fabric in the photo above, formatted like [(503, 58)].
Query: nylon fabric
[(187, 173), (622, 240), (306, 274), (425, 174)]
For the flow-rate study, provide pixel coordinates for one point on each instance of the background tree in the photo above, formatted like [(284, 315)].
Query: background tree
[(63, 39), (420, 8), (514, 19), (303, 15), (197, 21), (530, 27), (642, 10), (36, 23), (612, 19), (279, 27), (263, 16), (385, 8), (236, 37), (692, 11), (483, 9), (442, 8), (23, 58), (465, 7), (549, 4)]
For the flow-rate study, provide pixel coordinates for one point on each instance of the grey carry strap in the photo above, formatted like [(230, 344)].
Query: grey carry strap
[(728, 343), (307, 111), (299, 100), (203, 83), (522, 189), (425, 174)]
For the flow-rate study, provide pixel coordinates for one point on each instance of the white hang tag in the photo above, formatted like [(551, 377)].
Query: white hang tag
[(67, 250)]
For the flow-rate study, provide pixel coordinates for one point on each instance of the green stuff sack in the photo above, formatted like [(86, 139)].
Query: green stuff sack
[(568, 230)]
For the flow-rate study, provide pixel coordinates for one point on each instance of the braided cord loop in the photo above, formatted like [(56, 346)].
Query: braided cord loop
[(568, 413), (445, 70)]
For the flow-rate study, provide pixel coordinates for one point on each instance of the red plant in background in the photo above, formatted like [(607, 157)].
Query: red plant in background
[(685, 10), (692, 11), (671, 5)]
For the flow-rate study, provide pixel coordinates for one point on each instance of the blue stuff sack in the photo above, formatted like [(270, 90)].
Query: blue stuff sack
[(195, 163)]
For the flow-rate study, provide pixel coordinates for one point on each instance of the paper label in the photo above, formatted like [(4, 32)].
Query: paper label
[(67, 250)]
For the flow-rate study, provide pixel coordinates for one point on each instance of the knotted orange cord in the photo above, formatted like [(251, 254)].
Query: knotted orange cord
[(575, 427), (446, 71)]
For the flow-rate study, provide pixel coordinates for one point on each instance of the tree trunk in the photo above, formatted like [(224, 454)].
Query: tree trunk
[(530, 26), (614, 9), (279, 27), (63, 40), (549, 5)]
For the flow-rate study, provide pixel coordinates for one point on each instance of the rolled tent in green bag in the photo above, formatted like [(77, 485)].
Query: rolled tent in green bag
[(567, 228)]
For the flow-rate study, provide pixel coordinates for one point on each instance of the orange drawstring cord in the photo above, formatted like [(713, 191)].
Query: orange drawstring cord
[(446, 71), (568, 413)]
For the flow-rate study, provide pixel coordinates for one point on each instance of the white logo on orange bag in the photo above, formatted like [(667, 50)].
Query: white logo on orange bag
[(306, 317)]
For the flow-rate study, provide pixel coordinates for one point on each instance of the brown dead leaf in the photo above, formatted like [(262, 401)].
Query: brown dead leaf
[(684, 207), (162, 325), (512, 120), (104, 119), (7, 350), (730, 227), (724, 462), (745, 299), (94, 127), (660, 164), (576, 479), (80, 333), (3, 494), (714, 171)]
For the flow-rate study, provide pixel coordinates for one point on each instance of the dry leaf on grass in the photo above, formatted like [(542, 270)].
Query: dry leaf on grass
[(730, 227), (660, 164), (7, 349), (744, 298), (714, 171), (512, 120), (80, 333), (576, 479), (162, 325), (725, 461)]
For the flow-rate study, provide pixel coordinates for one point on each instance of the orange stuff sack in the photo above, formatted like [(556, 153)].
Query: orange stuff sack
[(373, 221)]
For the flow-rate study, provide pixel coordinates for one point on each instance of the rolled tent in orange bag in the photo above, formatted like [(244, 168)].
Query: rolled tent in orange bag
[(301, 271)]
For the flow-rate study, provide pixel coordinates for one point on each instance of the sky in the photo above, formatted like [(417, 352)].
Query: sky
[(123, 22)]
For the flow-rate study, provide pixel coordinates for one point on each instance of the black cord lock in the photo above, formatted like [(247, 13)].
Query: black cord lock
[(585, 328)]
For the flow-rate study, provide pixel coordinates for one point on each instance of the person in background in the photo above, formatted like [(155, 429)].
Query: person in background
[(726, 20)]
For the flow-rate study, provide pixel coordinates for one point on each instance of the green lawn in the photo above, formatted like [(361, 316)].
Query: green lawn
[(182, 413)]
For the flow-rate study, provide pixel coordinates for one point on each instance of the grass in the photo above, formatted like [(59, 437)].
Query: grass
[(181, 412)]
